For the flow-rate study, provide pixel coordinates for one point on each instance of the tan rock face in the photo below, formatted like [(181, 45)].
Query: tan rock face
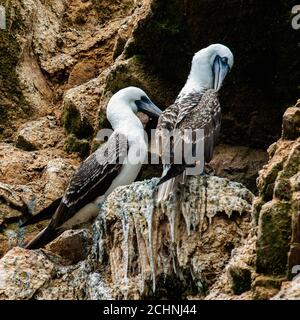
[(63, 60), (85, 105), (32, 181), (82, 72), (32, 269), (53, 47), (42, 275), (40, 134), (72, 245)]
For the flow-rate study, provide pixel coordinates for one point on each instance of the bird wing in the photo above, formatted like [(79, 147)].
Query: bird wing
[(93, 178), (196, 112), (166, 124), (205, 116)]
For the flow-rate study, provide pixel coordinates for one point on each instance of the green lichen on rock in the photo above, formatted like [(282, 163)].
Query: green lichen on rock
[(293, 162), (75, 124), (12, 101), (82, 147), (274, 236), (266, 184), (283, 189), (240, 279), (103, 123), (256, 209)]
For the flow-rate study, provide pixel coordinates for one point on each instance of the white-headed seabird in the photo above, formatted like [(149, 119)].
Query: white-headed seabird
[(196, 107), (112, 165)]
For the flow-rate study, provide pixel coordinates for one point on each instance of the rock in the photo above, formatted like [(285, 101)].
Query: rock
[(133, 72), (277, 205), (239, 164), (264, 288), (85, 105), (82, 147), (32, 272), (289, 291), (80, 105), (240, 278), (82, 72), (8, 214), (262, 293), (72, 245), (75, 282), (274, 236), (49, 47), (25, 90), (186, 250), (41, 275), (33, 181), (39, 134), (291, 124), (33, 169), (181, 250), (235, 281)]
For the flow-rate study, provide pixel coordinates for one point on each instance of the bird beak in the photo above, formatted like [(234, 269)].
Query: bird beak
[(149, 108), (220, 70)]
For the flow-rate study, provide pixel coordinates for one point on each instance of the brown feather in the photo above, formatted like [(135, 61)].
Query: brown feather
[(193, 112)]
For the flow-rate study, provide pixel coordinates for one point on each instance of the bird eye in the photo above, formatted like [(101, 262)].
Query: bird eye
[(225, 60)]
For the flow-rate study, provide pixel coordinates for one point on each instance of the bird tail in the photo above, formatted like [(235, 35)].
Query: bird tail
[(45, 214), (169, 187), (44, 237)]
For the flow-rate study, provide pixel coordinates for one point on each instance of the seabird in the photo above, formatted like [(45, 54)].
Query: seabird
[(116, 163), (196, 107)]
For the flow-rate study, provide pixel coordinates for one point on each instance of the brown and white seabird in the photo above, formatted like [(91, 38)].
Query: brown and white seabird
[(197, 107), (116, 163)]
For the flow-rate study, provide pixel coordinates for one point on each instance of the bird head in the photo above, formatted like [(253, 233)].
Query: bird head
[(210, 66), (131, 100)]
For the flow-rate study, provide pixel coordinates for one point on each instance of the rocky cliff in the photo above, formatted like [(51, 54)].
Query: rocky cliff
[(61, 61)]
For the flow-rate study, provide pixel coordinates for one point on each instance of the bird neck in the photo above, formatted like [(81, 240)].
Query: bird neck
[(120, 115), (133, 130), (127, 123), (200, 79)]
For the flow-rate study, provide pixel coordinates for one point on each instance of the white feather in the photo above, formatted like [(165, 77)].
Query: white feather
[(201, 75)]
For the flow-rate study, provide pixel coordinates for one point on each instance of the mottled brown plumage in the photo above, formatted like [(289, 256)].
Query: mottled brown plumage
[(193, 112)]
